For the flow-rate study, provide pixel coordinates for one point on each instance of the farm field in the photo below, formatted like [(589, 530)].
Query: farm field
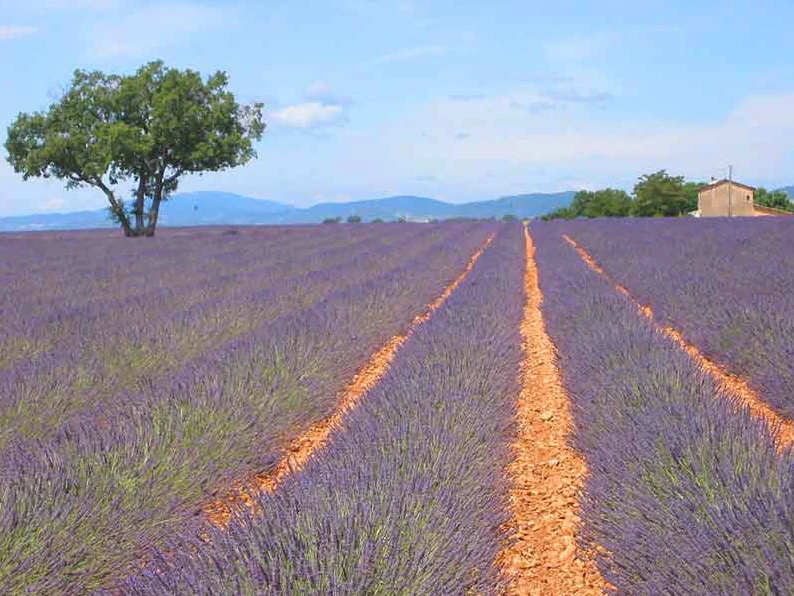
[(455, 408), (191, 365), (726, 285), (686, 492)]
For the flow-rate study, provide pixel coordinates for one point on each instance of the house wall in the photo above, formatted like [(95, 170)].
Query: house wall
[(713, 202), (761, 210)]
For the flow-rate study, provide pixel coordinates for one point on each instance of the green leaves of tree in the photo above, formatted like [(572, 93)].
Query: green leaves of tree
[(151, 127), (655, 195), (609, 202), (659, 194), (776, 199)]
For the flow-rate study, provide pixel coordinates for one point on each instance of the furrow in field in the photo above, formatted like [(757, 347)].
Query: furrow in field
[(547, 473), (304, 447), (675, 471), (782, 428), (409, 496), (118, 479)]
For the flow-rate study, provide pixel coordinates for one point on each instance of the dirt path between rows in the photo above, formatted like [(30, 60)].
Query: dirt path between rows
[(305, 446), (782, 428), (547, 474)]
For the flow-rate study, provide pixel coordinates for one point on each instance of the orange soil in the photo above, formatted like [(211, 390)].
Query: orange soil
[(547, 474), (304, 447), (781, 427)]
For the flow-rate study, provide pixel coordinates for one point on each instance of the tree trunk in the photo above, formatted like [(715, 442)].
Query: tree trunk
[(157, 198), (140, 196), (121, 217), (153, 214), (116, 207)]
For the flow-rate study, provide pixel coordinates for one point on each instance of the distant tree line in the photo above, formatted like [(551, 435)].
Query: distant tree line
[(654, 195), (354, 219), (776, 199)]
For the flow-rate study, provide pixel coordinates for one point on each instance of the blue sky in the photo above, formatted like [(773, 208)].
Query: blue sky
[(455, 99)]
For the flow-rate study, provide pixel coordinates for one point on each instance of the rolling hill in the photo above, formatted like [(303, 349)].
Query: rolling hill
[(219, 208), (789, 190)]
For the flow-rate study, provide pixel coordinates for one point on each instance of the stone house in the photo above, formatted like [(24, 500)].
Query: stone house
[(724, 198)]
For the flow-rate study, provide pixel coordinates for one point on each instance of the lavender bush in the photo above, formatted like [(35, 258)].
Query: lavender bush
[(410, 495), (98, 349), (686, 495), (726, 284), (97, 481)]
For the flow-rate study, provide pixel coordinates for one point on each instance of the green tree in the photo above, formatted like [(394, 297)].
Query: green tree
[(776, 199), (691, 194), (507, 217), (377, 220), (559, 213), (150, 128), (659, 194), (354, 219), (609, 202), (332, 220)]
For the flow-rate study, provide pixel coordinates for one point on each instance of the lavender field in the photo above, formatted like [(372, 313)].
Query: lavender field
[(409, 498), (685, 494), (159, 372), (141, 381), (727, 285)]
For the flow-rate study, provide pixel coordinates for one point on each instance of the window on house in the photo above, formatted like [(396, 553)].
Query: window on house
[(748, 198)]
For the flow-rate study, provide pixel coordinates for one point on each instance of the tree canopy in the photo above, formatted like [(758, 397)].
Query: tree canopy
[(691, 190), (609, 202), (655, 195), (776, 199), (152, 128), (660, 195)]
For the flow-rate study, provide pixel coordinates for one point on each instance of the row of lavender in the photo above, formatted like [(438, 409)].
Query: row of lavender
[(409, 497), (213, 288), (177, 278), (89, 271), (98, 349), (81, 503), (684, 495), (47, 318), (725, 283)]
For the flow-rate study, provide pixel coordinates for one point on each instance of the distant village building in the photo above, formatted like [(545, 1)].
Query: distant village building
[(724, 198)]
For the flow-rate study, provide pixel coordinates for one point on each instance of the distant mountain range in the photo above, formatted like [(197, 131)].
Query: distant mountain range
[(218, 208)]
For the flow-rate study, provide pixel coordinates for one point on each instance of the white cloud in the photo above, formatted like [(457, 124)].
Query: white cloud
[(466, 96), (321, 107), (574, 95), (757, 137), (15, 32), (20, 197), (326, 95), (163, 26), (82, 4), (319, 89), (577, 49), (54, 204), (378, 7), (411, 54), (308, 114), (513, 150)]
